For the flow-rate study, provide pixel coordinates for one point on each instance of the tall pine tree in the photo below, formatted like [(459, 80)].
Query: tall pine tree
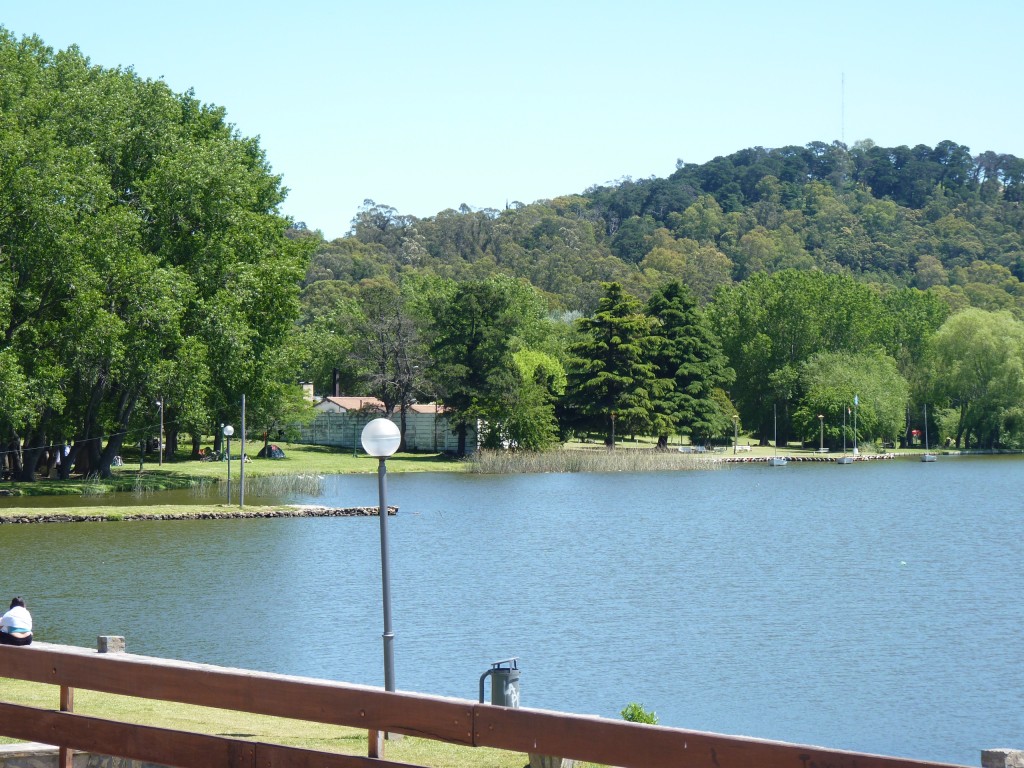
[(472, 369), (610, 373), (690, 357)]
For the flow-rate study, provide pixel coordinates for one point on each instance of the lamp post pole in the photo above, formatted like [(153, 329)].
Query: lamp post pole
[(385, 575), (228, 432), (735, 432), (821, 422), (380, 439), (241, 462), (160, 403), (856, 402)]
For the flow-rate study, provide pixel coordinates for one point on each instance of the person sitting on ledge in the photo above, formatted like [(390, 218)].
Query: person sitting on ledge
[(16, 624)]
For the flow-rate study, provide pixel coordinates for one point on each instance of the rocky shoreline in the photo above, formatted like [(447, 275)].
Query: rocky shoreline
[(227, 514)]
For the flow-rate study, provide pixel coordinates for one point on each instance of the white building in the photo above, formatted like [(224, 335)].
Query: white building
[(340, 420)]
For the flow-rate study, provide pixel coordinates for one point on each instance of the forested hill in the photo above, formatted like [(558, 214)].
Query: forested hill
[(938, 218)]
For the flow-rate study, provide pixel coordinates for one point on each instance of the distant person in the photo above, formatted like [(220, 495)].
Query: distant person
[(16, 624)]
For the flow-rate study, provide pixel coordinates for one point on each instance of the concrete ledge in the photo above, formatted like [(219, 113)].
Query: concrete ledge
[(1002, 758)]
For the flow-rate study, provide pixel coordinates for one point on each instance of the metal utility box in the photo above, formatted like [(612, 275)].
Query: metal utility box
[(504, 676)]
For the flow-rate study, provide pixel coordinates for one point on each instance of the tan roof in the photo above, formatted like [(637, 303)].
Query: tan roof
[(356, 403), (372, 403)]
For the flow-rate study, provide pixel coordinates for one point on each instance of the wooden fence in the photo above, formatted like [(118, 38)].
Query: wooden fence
[(528, 731)]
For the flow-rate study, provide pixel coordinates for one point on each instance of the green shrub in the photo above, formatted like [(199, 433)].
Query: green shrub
[(635, 713)]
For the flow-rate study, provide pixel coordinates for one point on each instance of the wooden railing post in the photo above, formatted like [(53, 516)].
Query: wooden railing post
[(375, 744), (65, 756)]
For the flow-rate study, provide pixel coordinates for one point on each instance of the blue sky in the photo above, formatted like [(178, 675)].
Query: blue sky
[(428, 105)]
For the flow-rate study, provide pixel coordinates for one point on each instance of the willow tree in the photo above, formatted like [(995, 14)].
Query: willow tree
[(975, 367)]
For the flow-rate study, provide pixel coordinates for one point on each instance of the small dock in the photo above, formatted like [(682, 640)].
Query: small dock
[(807, 458)]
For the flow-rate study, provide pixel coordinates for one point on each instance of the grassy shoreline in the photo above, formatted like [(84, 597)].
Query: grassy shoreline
[(183, 472), (305, 466)]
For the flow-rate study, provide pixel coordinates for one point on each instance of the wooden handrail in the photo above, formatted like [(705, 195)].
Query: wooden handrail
[(459, 721)]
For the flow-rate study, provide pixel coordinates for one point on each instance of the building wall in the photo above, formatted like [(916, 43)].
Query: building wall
[(423, 431)]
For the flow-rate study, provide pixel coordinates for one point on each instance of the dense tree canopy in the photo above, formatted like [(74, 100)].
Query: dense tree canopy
[(690, 360), (144, 259), (857, 252), (612, 376), (976, 368)]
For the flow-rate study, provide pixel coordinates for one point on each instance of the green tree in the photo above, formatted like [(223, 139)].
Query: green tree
[(770, 324), (831, 380), (471, 365), (911, 318), (975, 366), (529, 421), (689, 357), (610, 373), (389, 347), (136, 222)]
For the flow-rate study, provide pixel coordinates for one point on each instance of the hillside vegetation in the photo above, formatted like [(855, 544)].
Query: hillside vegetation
[(150, 284), (931, 218), (789, 284)]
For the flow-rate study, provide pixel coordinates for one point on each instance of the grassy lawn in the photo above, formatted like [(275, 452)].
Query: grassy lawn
[(273, 730), (181, 471)]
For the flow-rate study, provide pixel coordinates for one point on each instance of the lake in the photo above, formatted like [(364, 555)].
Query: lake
[(874, 607)]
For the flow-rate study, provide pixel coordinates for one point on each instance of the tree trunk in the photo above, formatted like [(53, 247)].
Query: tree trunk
[(662, 443), (106, 456), (89, 457), (67, 461), (402, 425), (53, 454), (460, 431), (31, 453), (170, 444), (125, 407), (13, 463)]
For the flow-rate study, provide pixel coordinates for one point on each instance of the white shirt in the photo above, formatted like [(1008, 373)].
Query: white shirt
[(17, 619)]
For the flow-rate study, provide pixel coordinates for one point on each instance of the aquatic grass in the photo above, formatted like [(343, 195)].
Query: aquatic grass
[(200, 487), (93, 487), (281, 485), (585, 460)]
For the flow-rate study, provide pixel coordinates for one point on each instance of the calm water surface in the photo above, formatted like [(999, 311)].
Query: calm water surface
[(875, 607)]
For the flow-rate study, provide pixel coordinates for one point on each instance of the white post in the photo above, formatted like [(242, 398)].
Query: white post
[(241, 463)]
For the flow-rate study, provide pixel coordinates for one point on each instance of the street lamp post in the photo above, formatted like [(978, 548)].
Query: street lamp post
[(735, 432), (228, 432), (821, 421), (160, 403), (241, 462), (380, 439)]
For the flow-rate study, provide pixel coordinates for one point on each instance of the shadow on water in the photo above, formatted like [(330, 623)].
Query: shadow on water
[(259, 491)]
